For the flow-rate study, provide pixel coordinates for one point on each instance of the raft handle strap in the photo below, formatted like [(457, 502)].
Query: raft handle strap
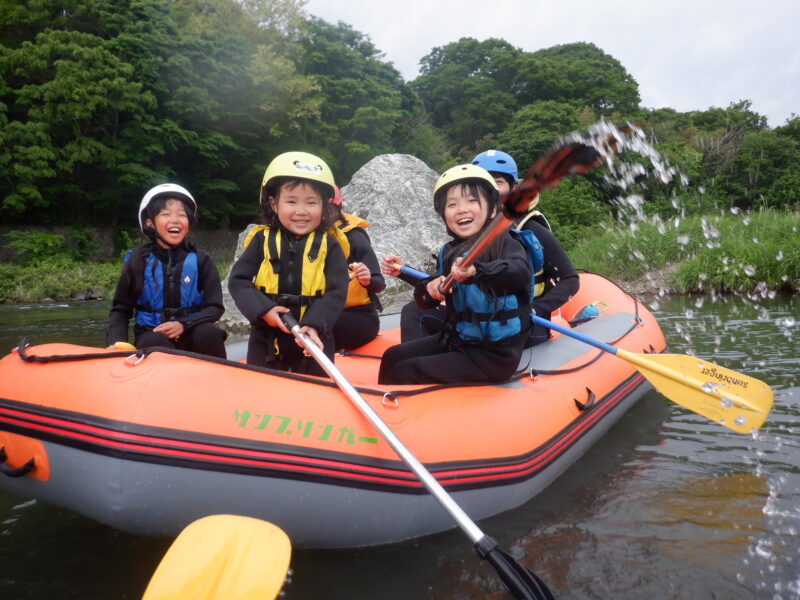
[(582, 406), (390, 400), (12, 471), (24, 343)]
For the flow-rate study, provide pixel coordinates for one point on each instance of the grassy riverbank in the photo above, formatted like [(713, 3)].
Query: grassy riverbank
[(697, 254), (63, 279)]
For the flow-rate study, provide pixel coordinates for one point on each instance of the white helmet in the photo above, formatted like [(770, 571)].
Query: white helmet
[(173, 190)]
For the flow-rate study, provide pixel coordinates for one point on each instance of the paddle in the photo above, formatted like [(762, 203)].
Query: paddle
[(518, 579), (737, 401), (222, 557), (573, 157)]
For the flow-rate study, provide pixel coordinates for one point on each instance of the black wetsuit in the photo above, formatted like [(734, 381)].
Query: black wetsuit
[(446, 358), (200, 335)]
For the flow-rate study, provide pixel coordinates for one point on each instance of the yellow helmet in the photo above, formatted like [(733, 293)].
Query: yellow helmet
[(299, 165), (463, 173)]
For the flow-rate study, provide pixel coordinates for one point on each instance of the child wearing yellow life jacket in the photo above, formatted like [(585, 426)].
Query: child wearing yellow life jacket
[(359, 322), (291, 264)]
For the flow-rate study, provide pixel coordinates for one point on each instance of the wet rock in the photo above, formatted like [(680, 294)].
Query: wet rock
[(87, 294), (394, 192)]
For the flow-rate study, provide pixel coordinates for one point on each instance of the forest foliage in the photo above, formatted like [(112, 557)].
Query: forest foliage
[(101, 99)]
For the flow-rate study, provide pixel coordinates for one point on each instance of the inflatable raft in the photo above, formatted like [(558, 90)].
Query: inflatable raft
[(148, 443)]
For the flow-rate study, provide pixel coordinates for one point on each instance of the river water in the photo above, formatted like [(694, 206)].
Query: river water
[(666, 505)]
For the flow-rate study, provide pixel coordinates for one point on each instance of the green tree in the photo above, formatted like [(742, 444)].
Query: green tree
[(468, 88), (580, 74), (100, 99), (763, 160), (365, 107), (534, 128)]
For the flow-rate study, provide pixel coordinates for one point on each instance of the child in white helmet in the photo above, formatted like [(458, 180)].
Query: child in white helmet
[(291, 264), (170, 288)]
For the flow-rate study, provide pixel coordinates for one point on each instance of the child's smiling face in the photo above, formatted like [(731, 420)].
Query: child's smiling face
[(171, 223), (464, 214), (299, 207)]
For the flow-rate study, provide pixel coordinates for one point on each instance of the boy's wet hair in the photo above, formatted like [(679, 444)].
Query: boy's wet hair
[(276, 184)]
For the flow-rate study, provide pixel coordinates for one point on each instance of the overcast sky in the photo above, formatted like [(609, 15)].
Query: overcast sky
[(684, 54)]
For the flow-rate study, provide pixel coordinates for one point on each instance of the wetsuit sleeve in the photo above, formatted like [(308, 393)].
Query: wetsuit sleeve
[(211, 287), (561, 280), (421, 296), (361, 251), (408, 278), (324, 312), (511, 271), (121, 309), (250, 301)]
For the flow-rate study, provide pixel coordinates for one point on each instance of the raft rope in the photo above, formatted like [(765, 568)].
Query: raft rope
[(142, 353)]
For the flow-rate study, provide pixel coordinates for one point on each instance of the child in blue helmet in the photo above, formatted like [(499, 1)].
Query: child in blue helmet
[(558, 281), (489, 305), (170, 288)]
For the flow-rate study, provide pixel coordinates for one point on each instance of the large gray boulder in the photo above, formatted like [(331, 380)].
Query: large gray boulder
[(394, 192)]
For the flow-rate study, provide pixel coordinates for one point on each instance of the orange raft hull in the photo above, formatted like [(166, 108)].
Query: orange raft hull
[(149, 445)]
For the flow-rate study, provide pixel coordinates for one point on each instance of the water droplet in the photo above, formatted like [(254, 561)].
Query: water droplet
[(756, 241), (726, 402), (708, 387), (735, 210), (779, 255), (683, 240), (746, 220), (749, 270), (739, 421)]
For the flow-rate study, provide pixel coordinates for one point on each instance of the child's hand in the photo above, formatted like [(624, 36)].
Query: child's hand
[(460, 274), (312, 334), (388, 263), (433, 288), (361, 273), (172, 329), (273, 317)]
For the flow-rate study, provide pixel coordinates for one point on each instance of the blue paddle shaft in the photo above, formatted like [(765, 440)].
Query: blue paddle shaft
[(412, 272), (574, 334)]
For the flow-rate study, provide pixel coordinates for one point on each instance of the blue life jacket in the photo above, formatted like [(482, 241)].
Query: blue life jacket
[(149, 306), (482, 317)]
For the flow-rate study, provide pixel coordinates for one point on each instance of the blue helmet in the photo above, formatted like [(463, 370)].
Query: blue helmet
[(497, 161)]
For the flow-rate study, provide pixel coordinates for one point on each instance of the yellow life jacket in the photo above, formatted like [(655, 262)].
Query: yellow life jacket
[(357, 294), (312, 285), (538, 288)]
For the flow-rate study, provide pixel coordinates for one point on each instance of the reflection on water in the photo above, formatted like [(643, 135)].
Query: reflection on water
[(666, 505)]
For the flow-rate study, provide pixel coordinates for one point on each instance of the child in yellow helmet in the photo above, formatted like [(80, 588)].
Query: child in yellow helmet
[(291, 264), (489, 305)]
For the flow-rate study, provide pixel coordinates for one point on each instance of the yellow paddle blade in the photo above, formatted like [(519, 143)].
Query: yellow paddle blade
[(124, 346), (737, 401), (223, 557)]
